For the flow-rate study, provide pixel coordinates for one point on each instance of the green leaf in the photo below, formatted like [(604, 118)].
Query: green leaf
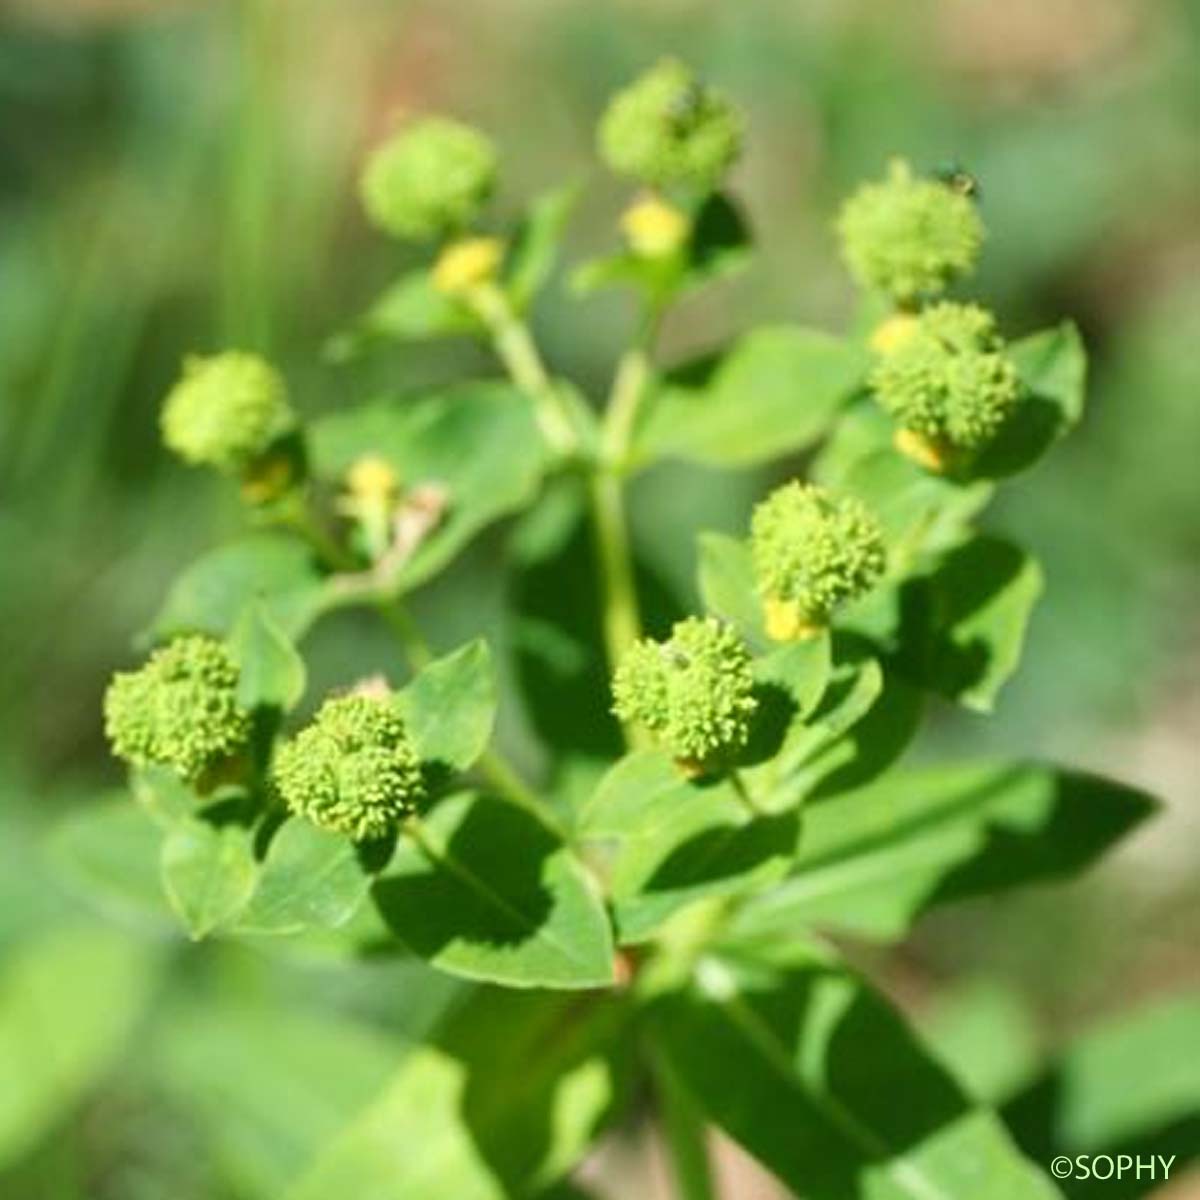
[(272, 673), (313, 1074), (817, 1078), (503, 1104), (162, 796), (448, 439), (727, 587), (964, 624), (1052, 365), (310, 878), (538, 243), (108, 852), (69, 1002), (209, 874), (1130, 1085), (874, 859), (450, 707), (211, 594), (775, 391), (490, 893), (410, 310), (679, 840)]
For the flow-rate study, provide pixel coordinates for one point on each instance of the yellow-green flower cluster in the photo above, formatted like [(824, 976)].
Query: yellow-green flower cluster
[(179, 710), (353, 770), (430, 179), (908, 236), (812, 551), (694, 692), (667, 129), (949, 380), (226, 411)]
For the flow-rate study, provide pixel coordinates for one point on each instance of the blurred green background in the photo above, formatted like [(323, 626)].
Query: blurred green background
[(179, 176)]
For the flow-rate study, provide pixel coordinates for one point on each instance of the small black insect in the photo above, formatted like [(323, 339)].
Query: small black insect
[(956, 176)]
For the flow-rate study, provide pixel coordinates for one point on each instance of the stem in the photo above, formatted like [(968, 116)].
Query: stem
[(622, 621), (412, 642), (516, 350), (743, 793), (683, 1134), (629, 386)]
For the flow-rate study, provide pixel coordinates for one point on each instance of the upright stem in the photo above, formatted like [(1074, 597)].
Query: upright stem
[(516, 350), (622, 620), (683, 1134)]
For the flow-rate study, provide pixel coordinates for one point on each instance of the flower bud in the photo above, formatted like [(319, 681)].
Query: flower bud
[(668, 129), (812, 551), (949, 384), (466, 264), (226, 411), (431, 178), (909, 237), (655, 229), (179, 710), (694, 692), (353, 769)]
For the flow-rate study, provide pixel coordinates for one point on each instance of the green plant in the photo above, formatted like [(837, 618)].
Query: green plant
[(687, 883)]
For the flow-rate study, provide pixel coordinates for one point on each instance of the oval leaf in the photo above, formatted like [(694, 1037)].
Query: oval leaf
[(272, 673), (208, 873), (450, 707), (311, 878), (491, 894)]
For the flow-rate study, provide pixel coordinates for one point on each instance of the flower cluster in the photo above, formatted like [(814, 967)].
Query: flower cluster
[(352, 770), (908, 236), (812, 551), (948, 382), (694, 692), (227, 411), (179, 710), (667, 129), (430, 179)]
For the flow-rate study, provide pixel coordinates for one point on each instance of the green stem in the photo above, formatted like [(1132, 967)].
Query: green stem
[(516, 349), (683, 1133), (622, 620), (629, 386)]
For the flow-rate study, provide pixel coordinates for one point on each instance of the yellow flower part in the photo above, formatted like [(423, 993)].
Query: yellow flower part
[(785, 621), (467, 263), (372, 477), (921, 450), (655, 229), (892, 332)]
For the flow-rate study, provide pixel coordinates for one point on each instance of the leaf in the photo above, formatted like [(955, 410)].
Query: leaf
[(727, 587), (490, 893), (272, 673), (410, 310), (680, 840), (209, 874), (310, 878), (450, 707), (313, 1074), (775, 391), (211, 594), (963, 625), (69, 1002), (1130, 1085), (1052, 365), (503, 1104), (538, 242), (817, 1078), (874, 859), (721, 241), (449, 438), (108, 852)]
